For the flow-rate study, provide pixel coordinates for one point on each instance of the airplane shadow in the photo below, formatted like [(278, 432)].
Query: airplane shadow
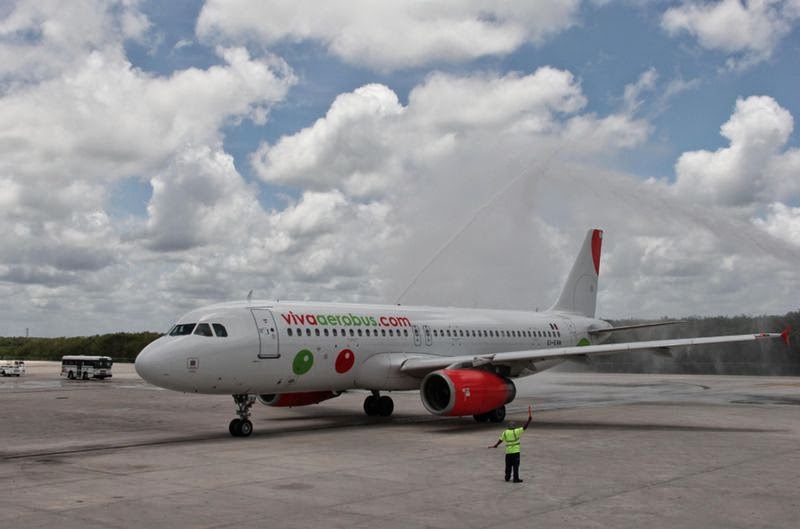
[(542, 426)]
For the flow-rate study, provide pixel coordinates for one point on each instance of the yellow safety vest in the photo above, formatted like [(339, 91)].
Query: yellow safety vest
[(511, 438)]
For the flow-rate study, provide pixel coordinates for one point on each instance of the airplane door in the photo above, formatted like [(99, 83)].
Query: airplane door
[(267, 333), (568, 334)]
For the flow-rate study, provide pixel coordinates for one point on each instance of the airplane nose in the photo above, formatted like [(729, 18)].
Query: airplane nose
[(146, 363)]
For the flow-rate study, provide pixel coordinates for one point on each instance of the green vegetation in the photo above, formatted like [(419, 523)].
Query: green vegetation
[(121, 346)]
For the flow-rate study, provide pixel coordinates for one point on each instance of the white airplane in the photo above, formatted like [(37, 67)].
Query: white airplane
[(462, 360)]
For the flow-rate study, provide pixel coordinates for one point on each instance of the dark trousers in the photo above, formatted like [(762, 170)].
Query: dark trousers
[(512, 462)]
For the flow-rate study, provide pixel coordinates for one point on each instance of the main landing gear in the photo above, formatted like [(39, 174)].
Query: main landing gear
[(376, 404), (496, 415), (242, 427)]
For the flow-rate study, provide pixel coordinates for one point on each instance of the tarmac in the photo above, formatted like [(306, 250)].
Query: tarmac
[(603, 451)]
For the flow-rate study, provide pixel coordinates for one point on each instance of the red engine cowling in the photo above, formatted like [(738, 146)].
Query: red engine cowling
[(455, 392), (296, 399)]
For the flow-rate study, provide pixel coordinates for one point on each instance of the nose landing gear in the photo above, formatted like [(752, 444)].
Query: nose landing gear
[(242, 427), (376, 404)]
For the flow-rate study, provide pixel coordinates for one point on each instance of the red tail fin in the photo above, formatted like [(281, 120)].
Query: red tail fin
[(785, 335)]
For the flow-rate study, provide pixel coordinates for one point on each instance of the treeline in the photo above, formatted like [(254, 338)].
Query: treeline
[(767, 357), (121, 346)]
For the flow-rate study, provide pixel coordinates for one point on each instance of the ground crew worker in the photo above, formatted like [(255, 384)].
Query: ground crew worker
[(511, 437)]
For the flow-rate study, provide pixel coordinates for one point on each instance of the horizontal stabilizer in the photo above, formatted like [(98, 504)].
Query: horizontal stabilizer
[(636, 326)]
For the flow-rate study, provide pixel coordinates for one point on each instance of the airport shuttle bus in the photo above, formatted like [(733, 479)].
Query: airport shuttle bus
[(86, 367), (463, 361)]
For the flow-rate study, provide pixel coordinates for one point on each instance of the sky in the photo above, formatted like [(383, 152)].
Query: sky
[(160, 156)]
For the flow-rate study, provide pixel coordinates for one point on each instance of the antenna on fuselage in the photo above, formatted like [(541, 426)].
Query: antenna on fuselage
[(250, 296)]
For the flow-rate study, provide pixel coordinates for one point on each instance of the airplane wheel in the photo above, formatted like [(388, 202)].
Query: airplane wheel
[(497, 414), (233, 427), (385, 406), (371, 406), (481, 417), (245, 428)]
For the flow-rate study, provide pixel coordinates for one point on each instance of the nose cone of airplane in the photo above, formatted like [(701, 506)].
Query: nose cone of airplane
[(147, 363)]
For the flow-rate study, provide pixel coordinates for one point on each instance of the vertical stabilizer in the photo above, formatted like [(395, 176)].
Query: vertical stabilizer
[(580, 292)]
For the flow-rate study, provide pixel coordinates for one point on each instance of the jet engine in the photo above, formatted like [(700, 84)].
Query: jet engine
[(456, 392), (296, 399)]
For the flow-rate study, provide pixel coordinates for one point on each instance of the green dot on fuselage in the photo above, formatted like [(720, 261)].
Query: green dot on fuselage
[(303, 361)]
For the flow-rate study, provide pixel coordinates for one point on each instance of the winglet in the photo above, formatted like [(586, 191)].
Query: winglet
[(785, 334)]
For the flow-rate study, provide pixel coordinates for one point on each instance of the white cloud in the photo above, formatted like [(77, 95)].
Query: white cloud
[(782, 222), (369, 143), (751, 30), (390, 35), (754, 169), (38, 38), (510, 162)]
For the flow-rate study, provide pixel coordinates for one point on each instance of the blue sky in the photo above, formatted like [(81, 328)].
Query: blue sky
[(181, 153), (608, 47)]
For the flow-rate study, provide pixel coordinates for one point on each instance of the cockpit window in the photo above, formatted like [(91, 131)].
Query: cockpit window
[(182, 329), (203, 329), (219, 329)]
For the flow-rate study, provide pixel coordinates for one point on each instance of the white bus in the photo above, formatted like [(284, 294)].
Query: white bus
[(12, 368), (86, 367)]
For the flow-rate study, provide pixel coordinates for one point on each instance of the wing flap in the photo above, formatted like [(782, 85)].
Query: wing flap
[(420, 366)]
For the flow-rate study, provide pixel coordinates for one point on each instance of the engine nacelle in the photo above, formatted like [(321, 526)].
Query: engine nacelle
[(296, 399), (456, 392)]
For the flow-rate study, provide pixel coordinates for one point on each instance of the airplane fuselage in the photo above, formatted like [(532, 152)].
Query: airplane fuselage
[(287, 347)]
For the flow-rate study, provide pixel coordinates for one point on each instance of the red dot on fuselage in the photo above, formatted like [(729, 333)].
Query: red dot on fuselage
[(345, 361)]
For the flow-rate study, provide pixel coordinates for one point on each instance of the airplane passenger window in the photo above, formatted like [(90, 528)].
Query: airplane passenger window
[(334, 332), (405, 332), (383, 332), (316, 331), (366, 332), (289, 331), (359, 332), (308, 331), (326, 332), (219, 329), (352, 333), (299, 331), (182, 329), (434, 333), (203, 329)]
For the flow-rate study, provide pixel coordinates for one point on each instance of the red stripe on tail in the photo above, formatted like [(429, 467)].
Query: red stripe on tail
[(785, 335), (597, 243)]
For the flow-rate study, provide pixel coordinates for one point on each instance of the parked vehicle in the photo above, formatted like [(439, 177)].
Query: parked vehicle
[(86, 367), (12, 368)]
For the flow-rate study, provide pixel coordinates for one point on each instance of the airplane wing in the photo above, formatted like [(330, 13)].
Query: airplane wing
[(422, 366)]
